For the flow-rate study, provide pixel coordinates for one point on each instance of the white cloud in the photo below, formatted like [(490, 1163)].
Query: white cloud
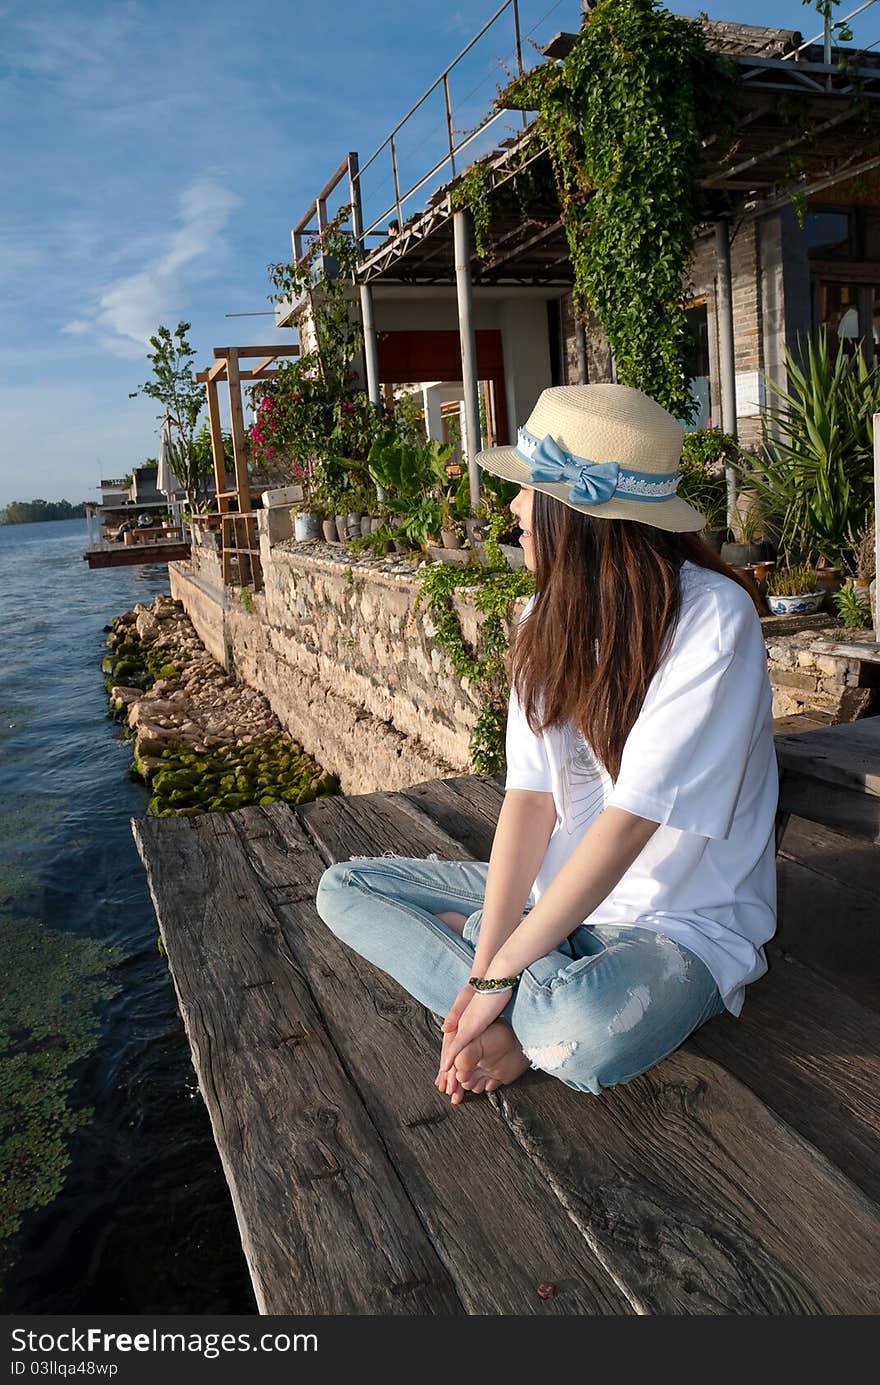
[(129, 308)]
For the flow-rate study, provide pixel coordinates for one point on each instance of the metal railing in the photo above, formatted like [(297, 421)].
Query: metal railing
[(456, 141), (455, 146), (825, 34)]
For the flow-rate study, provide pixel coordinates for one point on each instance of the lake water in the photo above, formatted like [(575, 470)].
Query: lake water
[(102, 1127)]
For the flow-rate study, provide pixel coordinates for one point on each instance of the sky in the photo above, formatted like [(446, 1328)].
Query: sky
[(154, 157)]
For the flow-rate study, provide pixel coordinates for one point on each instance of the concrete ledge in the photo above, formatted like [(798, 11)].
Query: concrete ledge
[(205, 604)]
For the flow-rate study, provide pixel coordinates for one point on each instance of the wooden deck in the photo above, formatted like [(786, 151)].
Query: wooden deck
[(124, 555), (739, 1176)]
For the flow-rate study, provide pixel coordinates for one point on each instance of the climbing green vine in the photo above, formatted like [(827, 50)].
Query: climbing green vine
[(525, 187), (623, 118), (493, 595)]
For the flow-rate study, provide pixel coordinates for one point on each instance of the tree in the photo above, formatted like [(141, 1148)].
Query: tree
[(175, 387)]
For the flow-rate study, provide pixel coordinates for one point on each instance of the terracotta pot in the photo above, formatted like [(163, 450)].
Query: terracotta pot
[(329, 527), (376, 523), (341, 528), (366, 526), (451, 538), (761, 571)]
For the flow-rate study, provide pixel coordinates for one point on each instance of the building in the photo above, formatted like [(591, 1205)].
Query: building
[(501, 327)]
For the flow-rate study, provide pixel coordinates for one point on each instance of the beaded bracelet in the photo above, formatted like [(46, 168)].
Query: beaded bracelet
[(499, 983)]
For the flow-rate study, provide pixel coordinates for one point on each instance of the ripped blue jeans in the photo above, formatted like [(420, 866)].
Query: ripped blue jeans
[(606, 1005)]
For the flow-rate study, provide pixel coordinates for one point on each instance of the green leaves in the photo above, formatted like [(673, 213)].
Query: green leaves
[(815, 478), (493, 595), (174, 385), (623, 119)]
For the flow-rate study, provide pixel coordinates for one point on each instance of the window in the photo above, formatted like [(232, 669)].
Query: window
[(827, 233)]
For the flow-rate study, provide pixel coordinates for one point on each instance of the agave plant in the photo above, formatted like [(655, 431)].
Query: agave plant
[(815, 478)]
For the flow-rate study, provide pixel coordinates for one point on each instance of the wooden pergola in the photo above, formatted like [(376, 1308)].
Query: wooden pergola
[(238, 526)]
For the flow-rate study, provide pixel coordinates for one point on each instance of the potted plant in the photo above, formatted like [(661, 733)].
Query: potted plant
[(747, 546), (793, 591), (715, 532), (702, 482), (409, 476), (306, 524)]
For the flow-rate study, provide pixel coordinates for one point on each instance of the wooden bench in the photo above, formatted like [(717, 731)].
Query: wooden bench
[(738, 1176)]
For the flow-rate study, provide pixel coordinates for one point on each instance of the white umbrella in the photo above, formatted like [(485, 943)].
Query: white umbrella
[(166, 481)]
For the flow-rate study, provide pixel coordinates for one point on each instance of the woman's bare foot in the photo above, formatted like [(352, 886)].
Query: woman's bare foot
[(454, 920), (492, 1060)]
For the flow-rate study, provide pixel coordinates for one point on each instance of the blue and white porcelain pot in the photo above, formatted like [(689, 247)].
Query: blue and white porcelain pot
[(806, 604)]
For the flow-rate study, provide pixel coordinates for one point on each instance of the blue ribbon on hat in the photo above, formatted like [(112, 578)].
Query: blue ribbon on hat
[(591, 482)]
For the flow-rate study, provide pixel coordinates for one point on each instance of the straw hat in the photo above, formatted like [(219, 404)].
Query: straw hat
[(606, 450)]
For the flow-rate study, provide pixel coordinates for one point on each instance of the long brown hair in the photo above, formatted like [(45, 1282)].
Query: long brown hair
[(607, 603)]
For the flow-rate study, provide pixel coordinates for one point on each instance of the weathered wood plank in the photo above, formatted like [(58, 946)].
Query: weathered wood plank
[(494, 1221), (373, 824), (832, 929), (466, 808), (702, 1245), (867, 650), (846, 755), (325, 1224), (846, 807), (698, 1197), (801, 721), (852, 862), (813, 1056)]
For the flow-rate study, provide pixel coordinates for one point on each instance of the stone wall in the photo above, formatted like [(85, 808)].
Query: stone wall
[(351, 670), (205, 604), (804, 676)]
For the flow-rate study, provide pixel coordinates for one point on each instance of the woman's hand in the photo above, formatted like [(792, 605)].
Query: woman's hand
[(483, 1009), (449, 1029)]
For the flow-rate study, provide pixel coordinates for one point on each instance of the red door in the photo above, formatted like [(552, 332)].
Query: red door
[(405, 357)]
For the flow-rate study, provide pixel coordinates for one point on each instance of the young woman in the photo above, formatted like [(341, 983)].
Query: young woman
[(631, 883)]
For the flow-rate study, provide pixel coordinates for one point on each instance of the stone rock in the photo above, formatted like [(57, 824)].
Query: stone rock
[(148, 709), (151, 740), (125, 696), (147, 626), (147, 765)]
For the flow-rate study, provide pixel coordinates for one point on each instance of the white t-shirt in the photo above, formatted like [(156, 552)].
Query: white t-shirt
[(700, 760)]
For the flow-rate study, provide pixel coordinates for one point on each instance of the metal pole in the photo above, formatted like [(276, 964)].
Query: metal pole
[(368, 316), (876, 526), (519, 61), (449, 127), (371, 350), (396, 184), (580, 346), (725, 352), (464, 291), (826, 56), (519, 66)]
